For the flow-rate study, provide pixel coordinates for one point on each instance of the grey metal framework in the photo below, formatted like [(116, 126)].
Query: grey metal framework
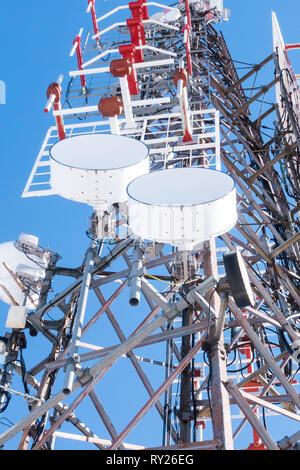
[(208, 368)]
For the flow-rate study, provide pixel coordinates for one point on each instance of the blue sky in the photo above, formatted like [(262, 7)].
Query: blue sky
[(35, 41)]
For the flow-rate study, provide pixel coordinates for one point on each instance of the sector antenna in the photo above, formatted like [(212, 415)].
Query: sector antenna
[(180, 329)]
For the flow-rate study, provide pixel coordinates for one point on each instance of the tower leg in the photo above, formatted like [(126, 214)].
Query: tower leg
[(220, 404), (185, 394)]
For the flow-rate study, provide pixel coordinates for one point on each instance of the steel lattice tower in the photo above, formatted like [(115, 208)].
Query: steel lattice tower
[(200, 366)]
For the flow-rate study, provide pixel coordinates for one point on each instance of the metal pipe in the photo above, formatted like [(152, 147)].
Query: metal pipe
[(135, 277), (101, 263), (287, 442), (286, 244), (222, 316), (251, 416), (78, 326)]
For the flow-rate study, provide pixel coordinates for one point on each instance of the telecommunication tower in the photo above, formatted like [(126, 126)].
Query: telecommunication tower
[(193, 245)]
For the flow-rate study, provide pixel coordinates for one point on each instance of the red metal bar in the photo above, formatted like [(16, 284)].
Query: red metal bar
[(139, 9), (186, 31), (136, 9), (54, 90), (79, 59), (292, 46), (59, 122), (94, 17), (188, 12), (180, 78), (145, 10), (137, 34)]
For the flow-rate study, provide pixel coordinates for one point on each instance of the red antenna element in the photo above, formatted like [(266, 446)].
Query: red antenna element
[(91, 8), (137, 34), (139, 10), (186, 40), (77, 48), (128, 52), (180, 80), (120, 67), (54, 95), (188, 12), (145, 10), (289, 47), (111, 106)]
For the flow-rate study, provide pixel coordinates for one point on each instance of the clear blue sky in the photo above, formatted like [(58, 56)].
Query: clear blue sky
[(35, 41)]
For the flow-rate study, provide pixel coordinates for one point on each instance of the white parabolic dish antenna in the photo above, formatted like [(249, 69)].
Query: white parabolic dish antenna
[(95, 169), (183, 206)]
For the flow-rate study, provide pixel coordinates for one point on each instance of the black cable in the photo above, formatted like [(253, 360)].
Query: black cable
[(39, 429), (284, 343), (68, 103), (206, 353), (33, 260), (264, 418), (208, 385), (234, 359), (10, 423), (242, 368), (246, 366), (8, 398), (23, 371), (5, 393), (193, 393)]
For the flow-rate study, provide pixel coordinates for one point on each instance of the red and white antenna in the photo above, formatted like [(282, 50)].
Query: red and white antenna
[(91, 8), (77, 48), (54, 92)]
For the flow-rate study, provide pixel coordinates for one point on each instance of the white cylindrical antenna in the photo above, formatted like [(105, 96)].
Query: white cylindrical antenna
[(179, 88), (95, 169), (89, 7), (182, 206), (51, 99), (76, 42)]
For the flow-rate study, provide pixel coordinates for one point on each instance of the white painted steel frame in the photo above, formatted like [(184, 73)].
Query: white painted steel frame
[(165, 140)]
